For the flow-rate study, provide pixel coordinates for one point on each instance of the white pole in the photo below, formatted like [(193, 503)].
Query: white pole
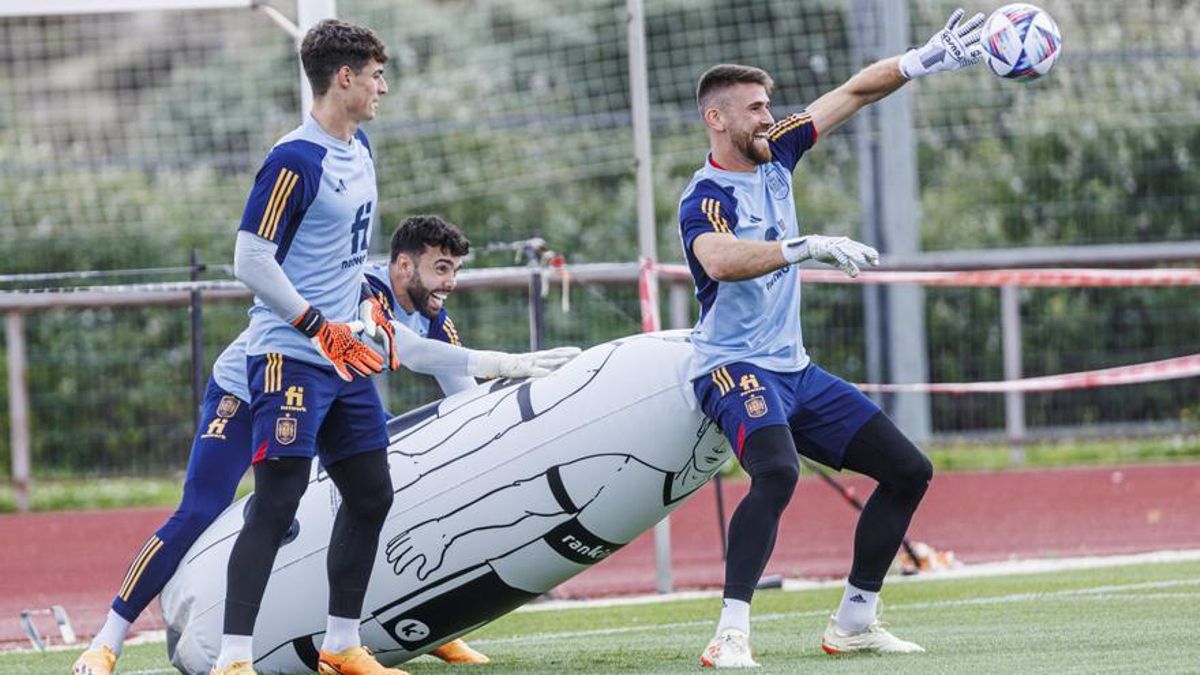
[(639, 96), (308, 14), (65, 7), (1010, 340), (18, 408)]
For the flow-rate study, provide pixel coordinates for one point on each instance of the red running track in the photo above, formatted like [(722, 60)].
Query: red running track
[(77, 559)]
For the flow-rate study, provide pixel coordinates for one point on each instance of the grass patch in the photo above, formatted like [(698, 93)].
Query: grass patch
[(1066, 453), (1084, 621), (67, 494)]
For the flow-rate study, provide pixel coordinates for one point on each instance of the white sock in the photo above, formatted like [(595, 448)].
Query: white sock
[(857, 610), (112, 633), (340, 634), (734, 614), (235, 648)]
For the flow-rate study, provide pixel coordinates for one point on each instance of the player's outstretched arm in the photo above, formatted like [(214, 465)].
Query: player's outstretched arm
[(433, 357), (843, 253), (953, 47), (726, 258)]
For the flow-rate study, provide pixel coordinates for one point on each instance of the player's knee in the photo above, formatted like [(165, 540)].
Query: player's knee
[(776, 484), (914, 475), (272, 511), (372, 505), (774, 467)]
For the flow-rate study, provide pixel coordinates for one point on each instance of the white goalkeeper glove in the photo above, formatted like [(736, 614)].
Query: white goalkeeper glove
[(951, 48), (532, 364), (842, 252)]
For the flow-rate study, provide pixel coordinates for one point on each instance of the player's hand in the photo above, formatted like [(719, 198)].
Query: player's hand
[(951, 48), (376, 319), (842, 252), (339, 344), (531, 364)]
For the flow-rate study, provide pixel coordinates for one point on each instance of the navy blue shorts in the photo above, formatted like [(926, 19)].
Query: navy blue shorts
[(824, 412), (299, 406)]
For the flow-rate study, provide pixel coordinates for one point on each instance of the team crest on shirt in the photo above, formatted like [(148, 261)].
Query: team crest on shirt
[(228, 406), (756, 406), (777, 183), (285, 430)]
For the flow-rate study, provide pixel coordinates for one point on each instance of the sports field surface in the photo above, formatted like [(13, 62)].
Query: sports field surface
[(1138, 617)]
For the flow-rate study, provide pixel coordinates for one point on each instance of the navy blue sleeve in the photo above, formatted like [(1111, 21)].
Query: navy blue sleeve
[(380, 288), (442, 328), (708, 208), (791, 137), (362, 138), (284, 188)]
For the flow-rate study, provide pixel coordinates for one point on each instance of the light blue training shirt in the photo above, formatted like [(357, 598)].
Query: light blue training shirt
[(315, 198), (755, 320)]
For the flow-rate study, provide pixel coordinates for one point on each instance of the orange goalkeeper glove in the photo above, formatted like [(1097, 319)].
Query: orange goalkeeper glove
[(376, 319), (338, 344)]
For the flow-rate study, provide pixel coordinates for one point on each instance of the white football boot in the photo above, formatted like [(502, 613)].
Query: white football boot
[(730, 649), (873, 639)]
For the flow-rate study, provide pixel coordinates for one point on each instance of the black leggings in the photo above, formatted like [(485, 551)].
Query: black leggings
[(878, 450), (366, 489), (883, 452)]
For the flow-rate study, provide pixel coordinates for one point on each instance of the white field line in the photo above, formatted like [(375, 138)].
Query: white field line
[(1111, 592), (1089, 594), (994, 569), (971, 571)]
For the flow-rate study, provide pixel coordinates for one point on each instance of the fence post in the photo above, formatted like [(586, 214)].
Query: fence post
[(18, 408), (635, 32), (195, 307), (886, 151), (537, 310), (1014, 401)]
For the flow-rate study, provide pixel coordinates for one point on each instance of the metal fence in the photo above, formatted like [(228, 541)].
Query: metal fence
[(131, 138), (131, 412)]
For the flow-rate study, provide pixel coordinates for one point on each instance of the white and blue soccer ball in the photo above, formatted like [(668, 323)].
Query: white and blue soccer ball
[(1020, 42)]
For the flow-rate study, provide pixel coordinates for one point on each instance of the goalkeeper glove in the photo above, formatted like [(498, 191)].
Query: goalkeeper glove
[(951, 48), (376, 319), (842, 252), (338, 344), (531, 364)]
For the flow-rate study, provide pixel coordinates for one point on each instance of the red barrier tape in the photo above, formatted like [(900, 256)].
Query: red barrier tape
[(1153, 371), (1039, 278), (649, 301)]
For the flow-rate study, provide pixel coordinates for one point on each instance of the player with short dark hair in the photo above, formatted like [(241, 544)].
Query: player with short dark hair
[(301, 248), (418, 234), (751, 373), (221, 449)]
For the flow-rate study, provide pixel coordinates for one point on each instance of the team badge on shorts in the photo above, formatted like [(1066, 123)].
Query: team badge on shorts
[(228, 406), (756, 406), (285, 430)]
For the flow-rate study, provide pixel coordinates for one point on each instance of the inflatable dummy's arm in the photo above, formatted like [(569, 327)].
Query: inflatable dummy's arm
[(422, 548)]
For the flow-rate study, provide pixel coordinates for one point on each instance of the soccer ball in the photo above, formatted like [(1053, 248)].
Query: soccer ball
[(1020, 42)]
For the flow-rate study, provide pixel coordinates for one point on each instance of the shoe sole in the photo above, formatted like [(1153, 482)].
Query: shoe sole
[(831, 651)]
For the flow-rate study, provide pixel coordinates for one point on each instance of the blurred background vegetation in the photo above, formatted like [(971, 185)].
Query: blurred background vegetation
[(131, 139)]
